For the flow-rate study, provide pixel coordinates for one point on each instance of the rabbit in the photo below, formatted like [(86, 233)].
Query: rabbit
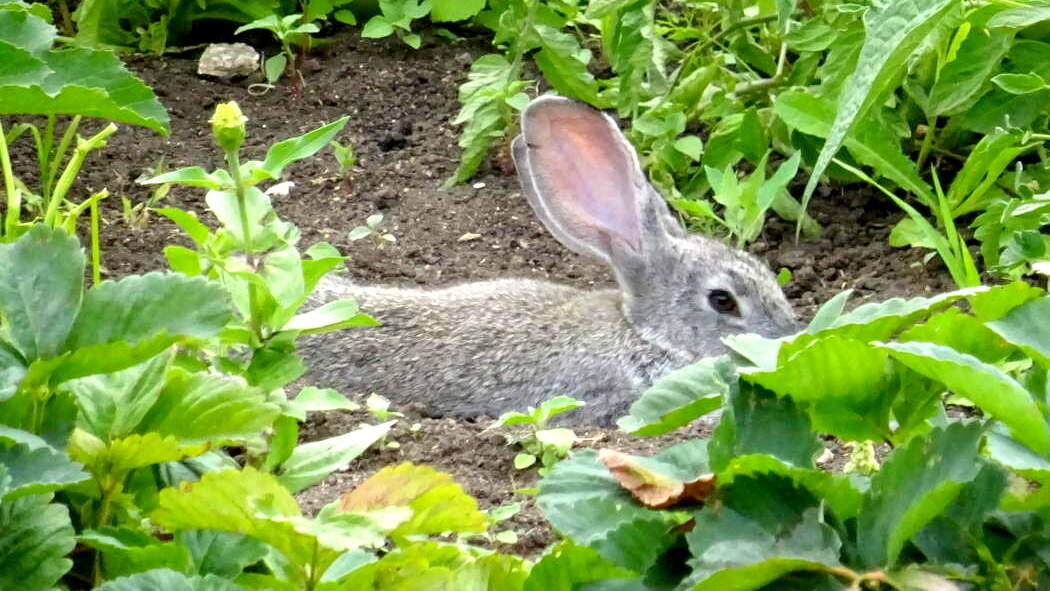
[(487, 347)]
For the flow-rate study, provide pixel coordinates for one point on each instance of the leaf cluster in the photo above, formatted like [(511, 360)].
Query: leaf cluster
[(959, 499)]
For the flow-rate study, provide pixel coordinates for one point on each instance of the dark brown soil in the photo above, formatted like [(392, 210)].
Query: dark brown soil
[(401, 103)]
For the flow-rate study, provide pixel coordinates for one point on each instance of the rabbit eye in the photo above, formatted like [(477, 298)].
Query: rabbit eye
[(723, 302)]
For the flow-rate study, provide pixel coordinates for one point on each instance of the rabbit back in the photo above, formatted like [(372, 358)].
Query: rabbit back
[(487, 347)]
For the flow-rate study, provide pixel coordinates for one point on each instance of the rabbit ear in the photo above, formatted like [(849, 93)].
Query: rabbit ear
[(583, 179)]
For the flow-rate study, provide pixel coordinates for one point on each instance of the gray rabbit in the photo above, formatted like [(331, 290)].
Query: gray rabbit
[(487, 347)]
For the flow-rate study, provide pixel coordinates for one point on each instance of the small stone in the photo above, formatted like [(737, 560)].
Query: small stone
[(479, 185), (228, 60), (469, 236)]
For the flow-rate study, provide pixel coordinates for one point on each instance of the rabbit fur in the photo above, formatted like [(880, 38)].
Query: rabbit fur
[(487, 347)]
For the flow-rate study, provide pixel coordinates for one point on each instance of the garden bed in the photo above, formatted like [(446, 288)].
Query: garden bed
[(401, 103)]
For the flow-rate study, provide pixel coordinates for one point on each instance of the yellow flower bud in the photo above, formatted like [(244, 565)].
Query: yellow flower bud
[(227, 126)]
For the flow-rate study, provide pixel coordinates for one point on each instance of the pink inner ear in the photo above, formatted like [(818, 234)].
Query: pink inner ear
[(585, 169)]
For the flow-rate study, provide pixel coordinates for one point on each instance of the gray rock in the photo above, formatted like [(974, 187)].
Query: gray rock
[(228, 60)]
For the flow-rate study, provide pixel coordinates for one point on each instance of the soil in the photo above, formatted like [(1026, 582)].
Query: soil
[(401, 103)]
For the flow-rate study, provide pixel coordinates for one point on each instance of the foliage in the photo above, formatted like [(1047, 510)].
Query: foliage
[(372, 229), (288, 32), (546, 445), (41, 80), (958, 500)]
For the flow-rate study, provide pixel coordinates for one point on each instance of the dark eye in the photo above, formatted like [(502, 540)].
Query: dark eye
[(723, 302)]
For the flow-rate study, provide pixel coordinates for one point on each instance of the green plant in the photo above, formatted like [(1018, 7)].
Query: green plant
[(290, 34), (957, 502), (136, 216), (344, 156), (371, 228), (546, 445), (52, 82)]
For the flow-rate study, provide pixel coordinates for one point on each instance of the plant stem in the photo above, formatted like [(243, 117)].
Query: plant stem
[(65, 182), (60, 153), (14, 197), (927, 143), (96, 251), (233, 162)]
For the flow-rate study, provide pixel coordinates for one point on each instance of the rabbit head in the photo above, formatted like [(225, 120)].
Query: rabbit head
[(681, 292)]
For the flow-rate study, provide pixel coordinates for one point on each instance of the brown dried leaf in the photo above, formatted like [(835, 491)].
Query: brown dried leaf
[(650, 488)]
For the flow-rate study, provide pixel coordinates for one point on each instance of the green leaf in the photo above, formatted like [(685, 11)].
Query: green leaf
[(119, 456), (193, 176), (274, 66), (1019, 18), (1020, 83), (86, 82), (454, 10), (41, 284), (491, 82), (844, 383), (564, 64), (139, 307), (312, 462), (285, 152), (963, 80), (963, 333), (26, 31), (251, 503), (681, 396), (35, 537), (756, 422), (331, 316), (582, 500), (12, 370), (1028, 326), (733, 551), (565, 566), (915, 485), (437, 503), (208, 408), (34, 471), (112, 405), (880, 320), (129, 551), (220, 553), (183, 260), (168, 580), (377, 27), (841, 493), (18, 66), (691, 146), (893, 31), (187, 220), (313, 399), (985, 385)]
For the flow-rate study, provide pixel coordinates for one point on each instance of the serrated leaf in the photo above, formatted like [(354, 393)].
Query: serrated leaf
[(880, 320), (1027, 326), (87, 82), (251, 503), (112, 405), (733, 551), (438, 504), (681, 396), (985, 385), (119, 456), (197, 408), (41, 284), (312, 462), (128, 551), (220, 553), (843, 382), (565, 566), (962, 332), (962, 81), (168, 580), (583, 501), (35, 537), (757, 422), (842, 494), (915, 484), (564, 64), (139, 307), (893, 31), (34, 471)]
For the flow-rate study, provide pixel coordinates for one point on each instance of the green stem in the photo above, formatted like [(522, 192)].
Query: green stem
[(96, 251), (927, 143), (65, 182), (233, 162), (14, 197), (44, 157)]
